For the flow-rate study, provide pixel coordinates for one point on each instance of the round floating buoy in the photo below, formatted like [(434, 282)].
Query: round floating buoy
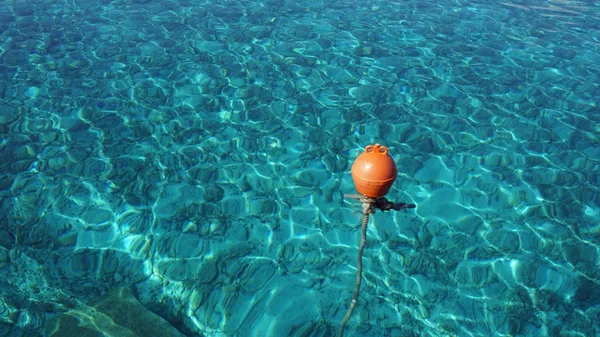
[(374, 171)]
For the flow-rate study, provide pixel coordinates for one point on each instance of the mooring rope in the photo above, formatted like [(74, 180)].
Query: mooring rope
[(367, 209)]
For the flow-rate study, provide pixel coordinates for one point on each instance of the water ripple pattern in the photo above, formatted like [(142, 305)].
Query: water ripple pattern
[(179, 167)]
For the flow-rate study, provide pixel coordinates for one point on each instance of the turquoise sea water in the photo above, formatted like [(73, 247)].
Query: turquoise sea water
[(178, 168)]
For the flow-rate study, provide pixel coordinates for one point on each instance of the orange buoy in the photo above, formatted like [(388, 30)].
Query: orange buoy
[(374, 171)]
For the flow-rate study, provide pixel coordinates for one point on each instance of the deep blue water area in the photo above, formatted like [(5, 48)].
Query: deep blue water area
[(182, 168)]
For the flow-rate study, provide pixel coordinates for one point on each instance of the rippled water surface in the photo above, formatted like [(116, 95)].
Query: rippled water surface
[(179, 168)]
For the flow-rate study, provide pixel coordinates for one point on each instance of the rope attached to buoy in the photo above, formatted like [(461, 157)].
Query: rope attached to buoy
[(369, 207)]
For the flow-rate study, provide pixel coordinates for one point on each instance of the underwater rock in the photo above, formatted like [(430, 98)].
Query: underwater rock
[(117, 313)]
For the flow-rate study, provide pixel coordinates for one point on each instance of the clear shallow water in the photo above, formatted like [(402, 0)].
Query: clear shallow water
[(197, 153)]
